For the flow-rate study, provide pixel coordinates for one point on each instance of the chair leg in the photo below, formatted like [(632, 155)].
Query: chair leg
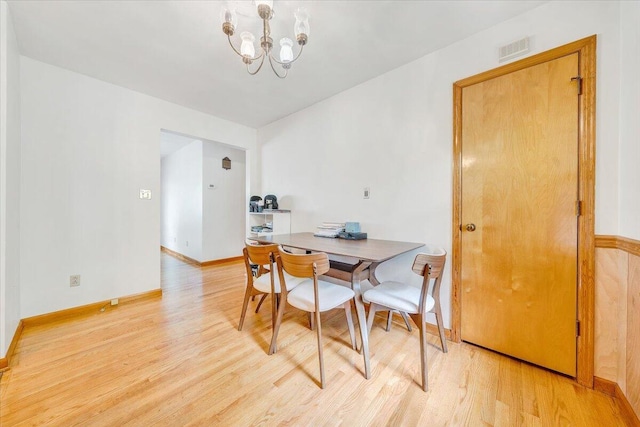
[(443, 339), (311, 322), (260, 302), (319, 333), (389, 318), (273, 347), (352, 332), (372, 313), (406, 320), (423, 351), (245, 304), (274, 309)]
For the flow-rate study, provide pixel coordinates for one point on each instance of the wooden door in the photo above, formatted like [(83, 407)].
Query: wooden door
[(519, 180)]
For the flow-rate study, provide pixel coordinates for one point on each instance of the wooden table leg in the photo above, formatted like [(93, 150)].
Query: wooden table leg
[(362, 320), (372, 274)]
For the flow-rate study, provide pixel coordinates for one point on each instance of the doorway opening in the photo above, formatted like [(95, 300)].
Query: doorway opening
[(203, 193)]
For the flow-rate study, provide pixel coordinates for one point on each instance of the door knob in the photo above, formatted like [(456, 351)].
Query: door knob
[(471, 227)]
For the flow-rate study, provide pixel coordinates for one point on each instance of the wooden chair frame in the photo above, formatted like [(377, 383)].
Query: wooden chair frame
[(311, 266), (261, 255), (430, 267)]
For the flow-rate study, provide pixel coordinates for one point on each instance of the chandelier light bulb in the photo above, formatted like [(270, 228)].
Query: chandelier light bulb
[(228, 15), (301, 27), (286, 51), (229, 20), (247, 49), (302, 21)]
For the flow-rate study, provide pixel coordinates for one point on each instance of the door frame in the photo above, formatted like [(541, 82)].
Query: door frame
[(586, 48)]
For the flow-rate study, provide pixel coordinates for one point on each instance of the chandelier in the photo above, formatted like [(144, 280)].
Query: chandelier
[(247, 50)]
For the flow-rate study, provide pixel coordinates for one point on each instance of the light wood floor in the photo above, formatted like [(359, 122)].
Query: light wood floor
[(180, 360)]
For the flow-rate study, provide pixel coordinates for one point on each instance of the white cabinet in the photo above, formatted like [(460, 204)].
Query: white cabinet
[(269, 221)]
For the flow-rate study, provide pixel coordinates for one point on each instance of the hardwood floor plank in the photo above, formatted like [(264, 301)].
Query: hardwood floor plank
[(180, 360)]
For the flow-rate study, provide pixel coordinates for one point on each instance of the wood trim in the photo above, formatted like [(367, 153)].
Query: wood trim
[(456, 248), (54, 316), (613, 389), (143, 296), (586, 48), (626, 244), (180, 256), (198, 263), (4, 361), (549, 55), (86, 309), (607, 241), (604, 386), (586, 221), (221, 261)]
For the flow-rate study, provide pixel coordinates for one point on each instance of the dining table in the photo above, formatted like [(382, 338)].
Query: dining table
[(367, 254)]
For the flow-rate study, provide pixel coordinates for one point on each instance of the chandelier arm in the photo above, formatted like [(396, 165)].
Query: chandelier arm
[(257, 69), (271, 59), (293, 60), (232, 46)]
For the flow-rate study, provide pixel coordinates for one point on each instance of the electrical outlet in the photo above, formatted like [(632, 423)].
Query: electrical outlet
[(366, 192), (74, 280), (145, 194), (187, 243), (114, 301)]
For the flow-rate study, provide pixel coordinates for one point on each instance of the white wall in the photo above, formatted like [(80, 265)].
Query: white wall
[(9, 180), (87, 149), (630, 119), (181, 209), (225, 206), (394, 135)]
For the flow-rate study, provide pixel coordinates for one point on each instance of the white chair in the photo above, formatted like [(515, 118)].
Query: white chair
[(267, 282), (416, 301), (312, 295)]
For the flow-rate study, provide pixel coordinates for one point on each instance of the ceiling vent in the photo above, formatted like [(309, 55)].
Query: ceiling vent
[(515, 49)]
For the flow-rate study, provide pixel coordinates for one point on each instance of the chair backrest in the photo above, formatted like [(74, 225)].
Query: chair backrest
[(261, 254), (301, 265), (430, 265)]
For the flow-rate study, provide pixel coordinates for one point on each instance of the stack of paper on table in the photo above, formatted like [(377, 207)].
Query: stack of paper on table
[(329, 229)]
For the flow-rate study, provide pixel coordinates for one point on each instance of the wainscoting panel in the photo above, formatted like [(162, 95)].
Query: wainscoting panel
[(617, 315), (610, 314), (633, 334)]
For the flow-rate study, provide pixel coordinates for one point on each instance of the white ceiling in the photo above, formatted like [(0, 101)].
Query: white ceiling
[(176, 51)]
